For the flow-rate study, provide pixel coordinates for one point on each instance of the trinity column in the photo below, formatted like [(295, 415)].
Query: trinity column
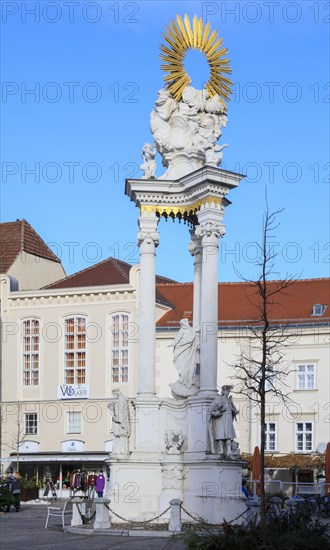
[(175, 439)]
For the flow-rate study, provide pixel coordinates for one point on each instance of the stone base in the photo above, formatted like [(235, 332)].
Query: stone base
[(180, 164), (156, 472), (142, 489)]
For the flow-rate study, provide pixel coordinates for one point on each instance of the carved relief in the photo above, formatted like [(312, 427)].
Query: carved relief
[(173, 474), (173, 441)]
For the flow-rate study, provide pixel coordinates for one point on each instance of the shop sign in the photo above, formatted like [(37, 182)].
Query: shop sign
[(73, 391)]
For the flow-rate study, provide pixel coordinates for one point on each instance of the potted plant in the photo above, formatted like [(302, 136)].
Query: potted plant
[(29, 488)]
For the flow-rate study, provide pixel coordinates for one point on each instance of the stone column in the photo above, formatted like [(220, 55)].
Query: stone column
[(210, 229), (195, 250), (148, 239)]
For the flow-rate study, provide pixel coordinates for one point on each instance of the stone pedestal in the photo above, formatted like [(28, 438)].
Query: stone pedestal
[(102, 516), (78, 510), (175, 524)]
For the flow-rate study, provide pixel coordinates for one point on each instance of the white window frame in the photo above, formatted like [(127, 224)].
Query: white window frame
[(75, 373), (269, 432), (31, 352), (307, 442), (73, 424), (303, 376), (119, 348), (31, 423), (318, 310)]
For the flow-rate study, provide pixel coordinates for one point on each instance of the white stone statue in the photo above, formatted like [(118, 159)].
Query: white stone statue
[(159, 120), (185, 132), (235, 450), (214, 154), (184, 357), (221, 423), (121, 424), (149, 164)]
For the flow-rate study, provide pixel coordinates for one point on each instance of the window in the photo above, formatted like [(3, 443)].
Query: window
[(75, 350), (318, 310), (31, 344), (119, 348), (270, 433), (74, 422), (31, 423), (306, 377), (304, 436)]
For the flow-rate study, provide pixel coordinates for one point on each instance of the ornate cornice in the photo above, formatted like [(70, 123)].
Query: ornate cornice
[(186, 208)]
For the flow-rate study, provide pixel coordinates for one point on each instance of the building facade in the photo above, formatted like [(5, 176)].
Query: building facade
[(68, 345)]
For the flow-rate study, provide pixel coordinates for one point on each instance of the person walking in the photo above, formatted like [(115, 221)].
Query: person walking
[(14, 489)]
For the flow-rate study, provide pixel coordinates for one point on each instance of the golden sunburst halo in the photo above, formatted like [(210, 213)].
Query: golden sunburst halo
[(181, 36)]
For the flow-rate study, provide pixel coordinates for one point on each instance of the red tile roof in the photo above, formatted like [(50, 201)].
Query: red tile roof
[(19, 236), (108, 272), (237, 302)]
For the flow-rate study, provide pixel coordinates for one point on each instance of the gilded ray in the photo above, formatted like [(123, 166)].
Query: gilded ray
[(182, 35)]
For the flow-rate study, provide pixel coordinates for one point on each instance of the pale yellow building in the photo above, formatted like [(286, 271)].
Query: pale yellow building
[(66, 346)]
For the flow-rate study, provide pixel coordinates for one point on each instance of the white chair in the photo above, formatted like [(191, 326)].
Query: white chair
[(59, 512)]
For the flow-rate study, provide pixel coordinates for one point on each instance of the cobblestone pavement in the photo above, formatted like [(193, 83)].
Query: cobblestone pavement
[(26, 531)]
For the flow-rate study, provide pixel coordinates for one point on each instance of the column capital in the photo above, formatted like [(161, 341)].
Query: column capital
[(195, 247), (148, 234), (148, 238), (210, 229)]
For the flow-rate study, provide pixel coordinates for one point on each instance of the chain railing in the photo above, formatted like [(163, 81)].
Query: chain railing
[(137, 523), (204, 525), (199, 522)]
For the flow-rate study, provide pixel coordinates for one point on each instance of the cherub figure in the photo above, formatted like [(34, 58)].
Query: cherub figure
[(149, 164)]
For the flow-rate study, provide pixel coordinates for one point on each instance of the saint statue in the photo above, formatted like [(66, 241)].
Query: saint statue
[(221, 422), (184, 358), (121, 424)]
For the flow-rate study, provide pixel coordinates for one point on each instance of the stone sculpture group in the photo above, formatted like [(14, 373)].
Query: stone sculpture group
[(188, 128)]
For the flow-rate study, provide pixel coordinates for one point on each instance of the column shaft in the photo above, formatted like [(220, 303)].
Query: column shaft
[(209, 230), (148, 239), (196, 251)]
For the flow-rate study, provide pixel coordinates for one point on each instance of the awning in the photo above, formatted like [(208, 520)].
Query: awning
[(68, 457)]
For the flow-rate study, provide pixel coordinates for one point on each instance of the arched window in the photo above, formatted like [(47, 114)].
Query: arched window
[(75, 350), (31, 351), (119, 347)]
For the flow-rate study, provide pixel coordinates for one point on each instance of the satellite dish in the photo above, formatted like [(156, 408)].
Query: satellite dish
[(320, 449)]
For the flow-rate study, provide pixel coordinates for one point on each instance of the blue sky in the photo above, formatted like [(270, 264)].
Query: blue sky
[(94, 67)]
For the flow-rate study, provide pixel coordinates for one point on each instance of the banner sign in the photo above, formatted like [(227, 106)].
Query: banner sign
[(73, 391)]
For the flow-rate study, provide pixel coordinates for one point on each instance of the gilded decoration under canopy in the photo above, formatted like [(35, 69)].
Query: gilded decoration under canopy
[(181, 211)]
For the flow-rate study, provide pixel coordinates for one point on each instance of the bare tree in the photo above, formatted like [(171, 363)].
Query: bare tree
[(264, 371), (17, 437)]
